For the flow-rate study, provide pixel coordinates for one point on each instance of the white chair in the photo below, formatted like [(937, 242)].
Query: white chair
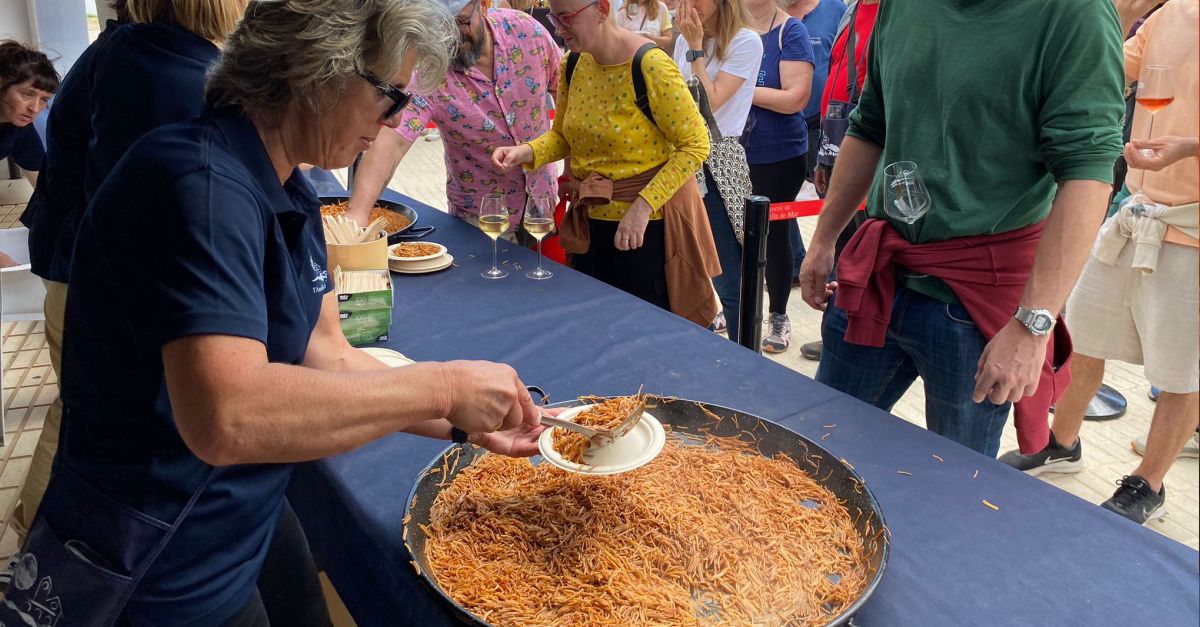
[(21, 292)]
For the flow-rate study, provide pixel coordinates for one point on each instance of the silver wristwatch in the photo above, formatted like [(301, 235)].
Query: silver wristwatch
[(1037, 321)]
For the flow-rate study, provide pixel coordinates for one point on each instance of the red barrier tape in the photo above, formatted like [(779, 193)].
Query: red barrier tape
[(796, 209)]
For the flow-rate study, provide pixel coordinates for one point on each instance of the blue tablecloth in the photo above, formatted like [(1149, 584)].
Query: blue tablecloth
[(1046, 557)]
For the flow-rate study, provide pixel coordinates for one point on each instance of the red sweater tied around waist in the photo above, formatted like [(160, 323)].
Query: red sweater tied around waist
[(987, 273)]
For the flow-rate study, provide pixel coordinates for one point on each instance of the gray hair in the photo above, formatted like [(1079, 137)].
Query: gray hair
[(310, 50)]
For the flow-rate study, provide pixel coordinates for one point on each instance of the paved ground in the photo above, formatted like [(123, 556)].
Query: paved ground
[(29, 386)]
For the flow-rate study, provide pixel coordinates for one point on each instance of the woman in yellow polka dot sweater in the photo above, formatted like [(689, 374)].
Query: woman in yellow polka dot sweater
[(601, 129)]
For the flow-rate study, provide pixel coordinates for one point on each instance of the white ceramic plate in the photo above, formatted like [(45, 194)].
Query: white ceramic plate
[(390, 358), (636, 448), (421, 267), (393, 257)]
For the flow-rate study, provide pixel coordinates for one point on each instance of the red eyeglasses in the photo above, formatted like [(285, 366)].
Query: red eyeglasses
[(564, 21)]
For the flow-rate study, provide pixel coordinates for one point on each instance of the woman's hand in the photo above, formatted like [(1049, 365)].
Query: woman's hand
[(631, 232), (485, 397), (690, 26), (506, 158), (519, 442)]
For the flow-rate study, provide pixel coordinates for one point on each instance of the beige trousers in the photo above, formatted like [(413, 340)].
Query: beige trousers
[(47, 446)]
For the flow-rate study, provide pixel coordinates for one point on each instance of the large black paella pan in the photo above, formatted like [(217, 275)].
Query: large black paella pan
[(694, 421)]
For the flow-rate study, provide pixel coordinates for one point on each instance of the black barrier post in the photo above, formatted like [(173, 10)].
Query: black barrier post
[(754, 267)]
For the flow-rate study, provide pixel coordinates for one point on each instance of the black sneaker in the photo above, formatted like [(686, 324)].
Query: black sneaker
[(812, 351), (1053, 458), (1136, 500)]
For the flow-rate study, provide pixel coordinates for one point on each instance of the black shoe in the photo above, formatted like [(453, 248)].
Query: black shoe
[(1136, 500), (811, 351), (1053, 458)]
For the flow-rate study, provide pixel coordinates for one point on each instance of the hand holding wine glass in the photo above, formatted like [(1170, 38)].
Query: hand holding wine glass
[(493, 220), (539, 222), (1155, 91)]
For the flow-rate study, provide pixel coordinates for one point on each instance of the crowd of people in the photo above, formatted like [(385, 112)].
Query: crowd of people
[(184, 126)]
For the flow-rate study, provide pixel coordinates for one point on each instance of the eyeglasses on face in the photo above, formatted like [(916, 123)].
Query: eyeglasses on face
[(399, 97), (564, 20)]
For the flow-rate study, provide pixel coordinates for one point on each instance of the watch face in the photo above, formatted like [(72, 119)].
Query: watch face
[(1041, 324)]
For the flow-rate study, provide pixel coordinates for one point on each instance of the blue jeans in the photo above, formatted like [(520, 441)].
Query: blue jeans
[(927, 338), (797, 249), (729, 253)]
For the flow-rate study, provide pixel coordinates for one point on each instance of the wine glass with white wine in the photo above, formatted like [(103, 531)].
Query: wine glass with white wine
[(539, 222), (493, 220)]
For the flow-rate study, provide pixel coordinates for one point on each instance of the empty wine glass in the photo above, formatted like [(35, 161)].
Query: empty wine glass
[(493, 220), (539, 222), (906, 198)]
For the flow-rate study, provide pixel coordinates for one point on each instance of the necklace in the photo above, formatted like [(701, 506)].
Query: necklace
[(774, 16)]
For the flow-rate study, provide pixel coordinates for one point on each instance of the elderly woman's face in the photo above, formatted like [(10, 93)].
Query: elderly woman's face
[(353, 123), (21, 103)]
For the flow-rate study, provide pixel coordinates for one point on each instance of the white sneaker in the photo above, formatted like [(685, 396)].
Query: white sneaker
[(1191, 449), (780, 335)]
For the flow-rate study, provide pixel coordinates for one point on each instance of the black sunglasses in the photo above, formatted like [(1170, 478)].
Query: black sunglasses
[(399, 97)]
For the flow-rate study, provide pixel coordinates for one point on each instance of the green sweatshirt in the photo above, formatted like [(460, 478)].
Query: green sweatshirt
[(995, 101)]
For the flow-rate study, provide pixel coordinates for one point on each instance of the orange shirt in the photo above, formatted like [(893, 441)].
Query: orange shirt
[(1169, 37)]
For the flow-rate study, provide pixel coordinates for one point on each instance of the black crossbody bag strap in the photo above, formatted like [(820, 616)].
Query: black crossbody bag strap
[(640, 96), (851, 54)]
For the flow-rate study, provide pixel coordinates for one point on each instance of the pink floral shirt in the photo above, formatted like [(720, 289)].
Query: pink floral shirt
[(477, 114)]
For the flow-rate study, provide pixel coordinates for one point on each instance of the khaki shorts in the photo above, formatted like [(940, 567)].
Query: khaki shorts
[(1159, 327)]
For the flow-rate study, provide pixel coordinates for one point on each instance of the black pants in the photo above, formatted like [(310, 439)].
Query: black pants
[(289, 592), (781, 182), (641, 272)]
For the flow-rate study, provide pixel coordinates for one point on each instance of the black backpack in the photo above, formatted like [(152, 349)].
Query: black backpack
[(639, 80)]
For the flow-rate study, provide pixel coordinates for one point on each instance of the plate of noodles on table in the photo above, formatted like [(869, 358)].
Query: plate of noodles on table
[(737, 521), (399, 219)]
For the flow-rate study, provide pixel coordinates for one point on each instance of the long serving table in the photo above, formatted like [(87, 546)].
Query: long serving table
[(1044, 557)]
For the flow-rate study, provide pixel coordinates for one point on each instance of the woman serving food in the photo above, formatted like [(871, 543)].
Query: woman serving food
[(205, 356)]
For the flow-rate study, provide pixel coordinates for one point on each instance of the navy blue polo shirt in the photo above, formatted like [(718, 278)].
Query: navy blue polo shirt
[(779, 136), (191, 234), (132, 80), (60, 182), (23, 145)]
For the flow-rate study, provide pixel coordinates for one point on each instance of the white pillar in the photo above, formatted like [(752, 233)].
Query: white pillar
[(60, 27), (15, 21)]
